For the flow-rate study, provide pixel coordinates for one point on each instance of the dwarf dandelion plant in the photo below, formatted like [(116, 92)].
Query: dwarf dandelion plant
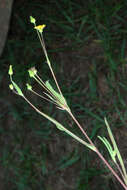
[(56, 97)]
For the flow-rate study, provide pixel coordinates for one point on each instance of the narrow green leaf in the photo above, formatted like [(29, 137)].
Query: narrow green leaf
[(59, 97), (60, 127), (109, 148), (17, 89), (116, 150), (48, 85), (69, 162), (110, 134)]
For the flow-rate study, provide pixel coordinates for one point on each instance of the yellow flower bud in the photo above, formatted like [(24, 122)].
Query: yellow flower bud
[(11, 86)]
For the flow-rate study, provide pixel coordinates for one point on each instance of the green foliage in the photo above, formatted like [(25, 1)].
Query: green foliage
[(69, 160), (86, 177)]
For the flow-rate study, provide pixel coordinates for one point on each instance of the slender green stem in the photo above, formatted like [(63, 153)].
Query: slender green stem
[(43, 97), (61, 126), (55, 80), (111, 169), (97, 151), (80, 127), (80, 140), (117, 152), (117, 165), (90, 144), (47, 59), (42, 84)]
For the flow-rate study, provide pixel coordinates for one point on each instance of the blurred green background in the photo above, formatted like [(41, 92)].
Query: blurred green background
[(86, 42)]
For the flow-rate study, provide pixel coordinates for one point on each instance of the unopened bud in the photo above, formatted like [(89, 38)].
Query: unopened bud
[(10, 71)]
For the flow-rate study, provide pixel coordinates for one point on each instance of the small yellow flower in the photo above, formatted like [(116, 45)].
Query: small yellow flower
[(40, 27), (11, 86)]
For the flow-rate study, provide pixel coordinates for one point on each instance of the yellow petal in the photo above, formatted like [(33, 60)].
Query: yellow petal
[(40, 27)]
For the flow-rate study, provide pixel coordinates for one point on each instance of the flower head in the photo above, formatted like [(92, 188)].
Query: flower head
[(40, 27), (10, 71), (29, 87), (32, 72), (32, 20), (11, 86)]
